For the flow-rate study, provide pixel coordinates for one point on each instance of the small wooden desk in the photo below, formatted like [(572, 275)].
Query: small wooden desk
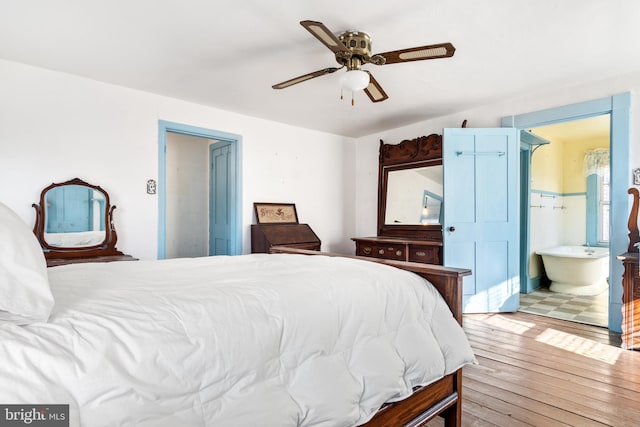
[(301, 236)]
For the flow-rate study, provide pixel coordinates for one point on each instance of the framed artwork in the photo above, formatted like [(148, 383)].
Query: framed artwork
[(276, 213)]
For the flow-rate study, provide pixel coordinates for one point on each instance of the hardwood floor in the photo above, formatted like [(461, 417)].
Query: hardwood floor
[(539, 371)]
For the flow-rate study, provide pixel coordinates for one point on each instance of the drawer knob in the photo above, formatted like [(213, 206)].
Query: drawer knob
[(367, 250), (381, 251), (399, 253), (421, 253)]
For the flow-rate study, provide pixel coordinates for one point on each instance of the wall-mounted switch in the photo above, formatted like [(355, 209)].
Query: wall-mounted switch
[(151, 186)]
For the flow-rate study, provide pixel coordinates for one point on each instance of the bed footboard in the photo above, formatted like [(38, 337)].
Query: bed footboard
[(442, 397)]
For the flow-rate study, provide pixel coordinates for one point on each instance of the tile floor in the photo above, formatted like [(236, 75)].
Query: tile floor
[(592, 310)]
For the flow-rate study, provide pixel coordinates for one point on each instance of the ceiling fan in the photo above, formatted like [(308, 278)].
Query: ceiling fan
[(352, 50)]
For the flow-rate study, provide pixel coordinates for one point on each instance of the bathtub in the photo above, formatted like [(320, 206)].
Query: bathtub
[(578, 270)]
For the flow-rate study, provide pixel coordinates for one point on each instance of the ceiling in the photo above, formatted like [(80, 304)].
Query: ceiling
[(597, 127), (228, 53)]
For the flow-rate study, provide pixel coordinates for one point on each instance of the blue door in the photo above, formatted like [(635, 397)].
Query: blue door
[(220, 204), (480, 226)]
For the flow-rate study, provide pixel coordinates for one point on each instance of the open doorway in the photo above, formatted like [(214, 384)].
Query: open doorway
[(193, 182), (569, 222), (618, 106)]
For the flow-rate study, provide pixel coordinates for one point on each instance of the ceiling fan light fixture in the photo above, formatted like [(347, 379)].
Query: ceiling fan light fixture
[(352, 50), (354, 80)]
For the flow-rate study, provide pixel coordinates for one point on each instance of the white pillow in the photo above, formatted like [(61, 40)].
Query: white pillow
[(25, 296)]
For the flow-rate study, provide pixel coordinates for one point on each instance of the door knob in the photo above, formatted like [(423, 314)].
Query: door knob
[(452, 229)]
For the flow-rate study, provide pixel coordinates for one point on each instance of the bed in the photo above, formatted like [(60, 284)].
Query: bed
[(282, 339)]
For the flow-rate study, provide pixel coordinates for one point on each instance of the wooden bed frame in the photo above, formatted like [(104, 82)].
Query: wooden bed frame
[(444, 397)]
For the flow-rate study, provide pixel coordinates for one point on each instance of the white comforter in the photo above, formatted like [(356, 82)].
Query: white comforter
[(268, 340)]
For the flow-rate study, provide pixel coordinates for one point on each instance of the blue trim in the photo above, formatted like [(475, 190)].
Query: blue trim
[(556, 194), (562, 114), (236, 196), (427, 193), (432, 195), (533, 284), (532, 139), (619, 106), (526, 285)]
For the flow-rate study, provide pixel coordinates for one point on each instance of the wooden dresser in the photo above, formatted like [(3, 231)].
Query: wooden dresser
[(301, 236), (630, 301), (401, 249), (409, 203)]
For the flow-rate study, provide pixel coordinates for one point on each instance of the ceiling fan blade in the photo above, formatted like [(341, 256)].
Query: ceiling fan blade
[(434, 51), (374, 91), (305, 77), (325, 36)]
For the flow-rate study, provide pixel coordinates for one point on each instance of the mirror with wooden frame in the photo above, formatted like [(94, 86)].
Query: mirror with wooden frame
[(410, 192), (74, 219)]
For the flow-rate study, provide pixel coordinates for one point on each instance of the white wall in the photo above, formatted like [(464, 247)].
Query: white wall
[(55, 126), (561, 220)]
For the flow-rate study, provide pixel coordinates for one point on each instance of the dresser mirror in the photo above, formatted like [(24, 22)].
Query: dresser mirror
[(75, 219), (414, 196), (410, 188)]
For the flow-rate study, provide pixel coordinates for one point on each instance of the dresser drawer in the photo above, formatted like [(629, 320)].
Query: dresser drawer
[(386, 251), (424, 254)]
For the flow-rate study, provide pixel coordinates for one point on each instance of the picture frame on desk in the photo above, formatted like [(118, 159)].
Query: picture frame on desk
[(275, 213)]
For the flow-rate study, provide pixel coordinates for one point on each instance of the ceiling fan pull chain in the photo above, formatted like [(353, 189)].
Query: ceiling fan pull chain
[(353, 102)]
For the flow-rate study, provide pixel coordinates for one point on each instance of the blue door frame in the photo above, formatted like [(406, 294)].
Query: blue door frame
[(235, 188), (619, 107), (528, 144)]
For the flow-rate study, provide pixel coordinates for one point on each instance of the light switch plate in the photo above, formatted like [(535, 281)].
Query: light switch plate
[(151, 186)]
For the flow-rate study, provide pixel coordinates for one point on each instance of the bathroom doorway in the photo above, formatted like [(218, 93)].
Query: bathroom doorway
[(619, 108), (569, 222)]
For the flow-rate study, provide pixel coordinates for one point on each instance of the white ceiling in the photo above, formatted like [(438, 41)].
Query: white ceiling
[(228, 53), (577, 130)]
